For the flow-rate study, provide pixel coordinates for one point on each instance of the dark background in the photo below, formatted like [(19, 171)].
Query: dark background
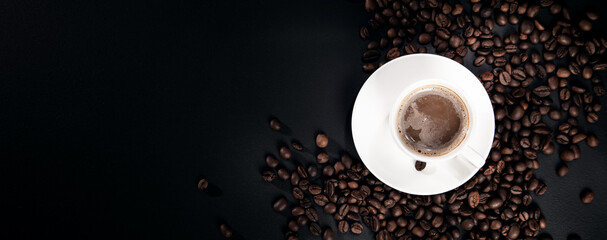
[(110, 113)]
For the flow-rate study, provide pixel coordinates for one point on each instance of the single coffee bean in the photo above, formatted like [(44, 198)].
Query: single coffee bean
[(495, 203), (315, 229), (301, 171), (343, 226), (269, 176), (285, 153), (328, 234), (280, 204), (322, 140), (330, 208), (592, 117), (203, 184), (562, 170), (393, 53), (271, 161), (419, 165), (322, 158), (542, 91), (564, 94), (587, 196), (283, 174), (275, 124), (328, 171), (292, 225), (473, 199), (297, 211), (225, 230), (585, 25), (311, 214), (304, 184), (563, 73), (424, 38), (356, 228), (297, 193), (297, 145), (578, 138), (567, 155), (314, 189), (555, 114), (592, 140)]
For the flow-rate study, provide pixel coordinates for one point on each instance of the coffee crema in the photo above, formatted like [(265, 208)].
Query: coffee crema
[(432, 120)]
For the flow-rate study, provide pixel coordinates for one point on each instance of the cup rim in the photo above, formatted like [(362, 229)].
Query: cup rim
[(396, 107)]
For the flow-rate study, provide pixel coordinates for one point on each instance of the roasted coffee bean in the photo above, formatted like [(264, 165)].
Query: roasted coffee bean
[(271, 161), (322, 140), (330, 208), (283, 174), (563, 73), (311, 214), (280, 204), (275, 124), (419, 165), (564, 94), (302, 172), (343, 226), (312, 171), (555, 114), (204, 184), (592, 140), (315, 229), (542, 91), (285, 153), (356, 228), (587, 196), (304, 184), (328, 171), (562, 170), (393, 53), (567, 155), (295, 179), (585, 25), (297, 211), (495, 203), (328, 234), (592, 117), (292, 225), (473, 199), (315, 189), (322, 158), (267, 176), (225, 230), (297, 193)]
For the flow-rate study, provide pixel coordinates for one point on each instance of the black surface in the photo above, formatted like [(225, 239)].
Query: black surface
[(110, 113)]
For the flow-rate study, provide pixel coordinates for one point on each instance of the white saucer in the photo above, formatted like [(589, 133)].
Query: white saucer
[(371, 131)]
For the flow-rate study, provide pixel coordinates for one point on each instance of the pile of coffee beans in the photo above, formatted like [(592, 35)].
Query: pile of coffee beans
[(537, 62), (539, 67)]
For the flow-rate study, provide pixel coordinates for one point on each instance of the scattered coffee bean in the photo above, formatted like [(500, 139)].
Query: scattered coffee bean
[(267, 176), (280, 204), (419, 165), (322, 140), (322, 158), (203, 184), (225, 230), (285, 153), (562, 170), (275, 124), (592, 140), (271, 161), (356, 228), (328, 234), (587, 196)]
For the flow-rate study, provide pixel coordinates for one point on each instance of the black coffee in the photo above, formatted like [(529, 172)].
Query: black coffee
[(432, 120)]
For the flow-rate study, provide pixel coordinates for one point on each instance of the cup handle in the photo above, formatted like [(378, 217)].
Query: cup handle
[(468, 154)]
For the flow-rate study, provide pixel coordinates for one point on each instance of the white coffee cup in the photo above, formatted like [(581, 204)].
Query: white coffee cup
[(462, 151)]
